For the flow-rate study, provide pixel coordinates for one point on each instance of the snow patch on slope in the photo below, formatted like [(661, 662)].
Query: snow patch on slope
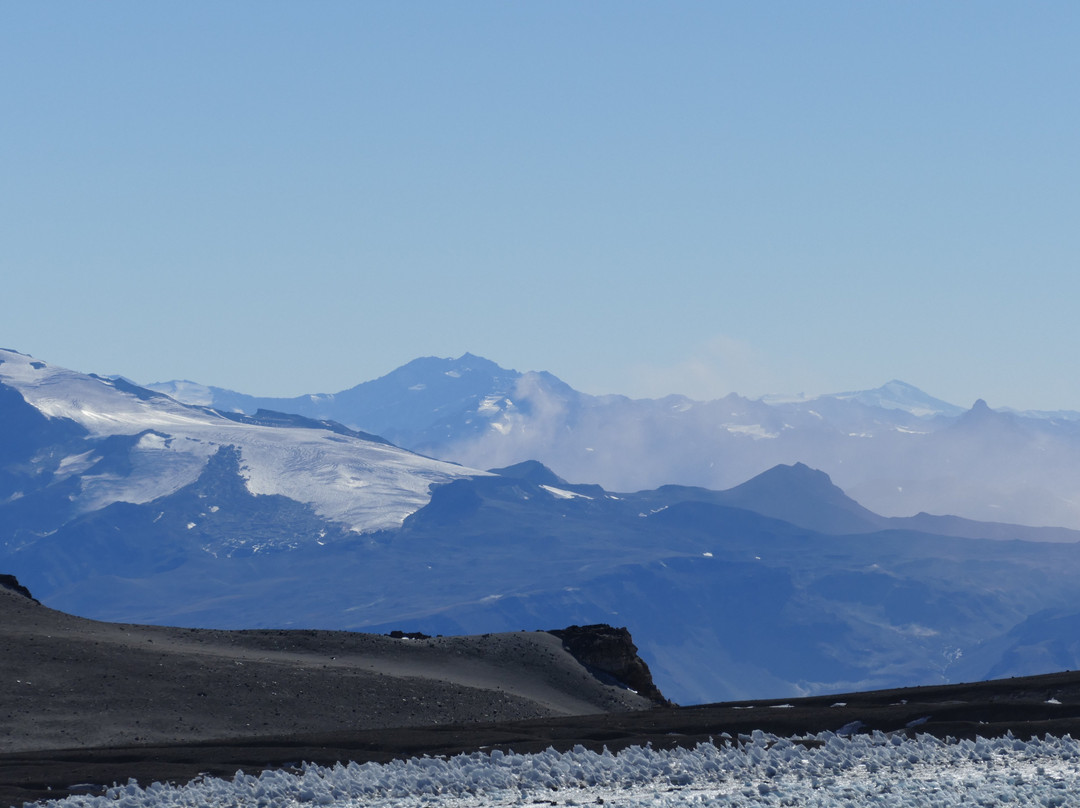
[(560, 493), (756, 431)]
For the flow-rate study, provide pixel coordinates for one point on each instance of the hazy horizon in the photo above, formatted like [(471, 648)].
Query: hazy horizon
[(700, 199)]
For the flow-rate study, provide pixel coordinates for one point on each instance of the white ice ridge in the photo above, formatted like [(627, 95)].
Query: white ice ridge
[(757, 770)]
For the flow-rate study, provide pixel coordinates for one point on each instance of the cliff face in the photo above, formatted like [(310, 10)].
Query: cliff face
[(611, 656)]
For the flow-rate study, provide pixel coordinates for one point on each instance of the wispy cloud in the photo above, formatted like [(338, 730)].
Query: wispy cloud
[(719, 366)]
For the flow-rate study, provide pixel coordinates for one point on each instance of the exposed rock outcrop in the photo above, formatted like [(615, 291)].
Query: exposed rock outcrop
[(12, 583), (408, 635), (611, 656)]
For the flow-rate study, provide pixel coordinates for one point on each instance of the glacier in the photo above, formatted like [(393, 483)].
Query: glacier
[(363, 484)]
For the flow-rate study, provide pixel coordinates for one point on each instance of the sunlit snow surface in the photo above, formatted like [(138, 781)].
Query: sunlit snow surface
[(359, 483), (560, 493), (757, 770)]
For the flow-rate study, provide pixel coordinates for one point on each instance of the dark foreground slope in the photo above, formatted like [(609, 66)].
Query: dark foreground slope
[(1024, 706), (87, 704), (68, 682)]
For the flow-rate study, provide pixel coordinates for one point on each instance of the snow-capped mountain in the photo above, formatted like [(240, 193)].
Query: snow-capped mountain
[(118, 443), (895, 449), (898, 395), (424, 402)]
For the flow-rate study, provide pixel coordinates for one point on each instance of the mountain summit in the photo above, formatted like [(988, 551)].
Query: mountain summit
[(898, 395), (803, 496)]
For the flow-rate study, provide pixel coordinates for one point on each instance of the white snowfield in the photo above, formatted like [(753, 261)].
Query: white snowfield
[(758, 770), (361, 484)]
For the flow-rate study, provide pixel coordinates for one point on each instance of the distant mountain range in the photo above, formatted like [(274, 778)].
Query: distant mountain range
[(120, 503), (895, 449)]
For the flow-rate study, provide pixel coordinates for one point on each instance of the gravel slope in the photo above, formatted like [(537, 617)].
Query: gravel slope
[(74, 683)]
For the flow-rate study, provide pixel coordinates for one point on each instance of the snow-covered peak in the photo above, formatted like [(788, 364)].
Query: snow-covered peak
[(898, 395), (893, 395)]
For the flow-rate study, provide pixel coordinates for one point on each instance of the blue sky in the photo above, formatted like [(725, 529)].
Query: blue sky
[(641, 198)]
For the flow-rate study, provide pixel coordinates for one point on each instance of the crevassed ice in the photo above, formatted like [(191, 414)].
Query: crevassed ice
[(756, 770)]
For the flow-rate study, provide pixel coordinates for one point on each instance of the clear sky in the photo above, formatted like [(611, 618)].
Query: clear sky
[(645, 198)]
